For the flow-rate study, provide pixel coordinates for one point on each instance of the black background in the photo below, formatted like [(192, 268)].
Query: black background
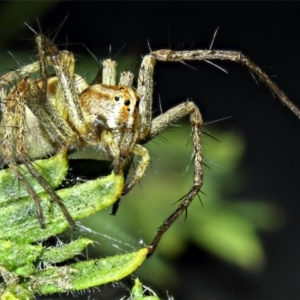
[(268, 33)]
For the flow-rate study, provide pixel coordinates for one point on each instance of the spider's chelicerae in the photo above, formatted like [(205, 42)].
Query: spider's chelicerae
[(41, 115)]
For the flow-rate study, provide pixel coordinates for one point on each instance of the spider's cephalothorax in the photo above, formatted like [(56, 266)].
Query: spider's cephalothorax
[(114, 120)]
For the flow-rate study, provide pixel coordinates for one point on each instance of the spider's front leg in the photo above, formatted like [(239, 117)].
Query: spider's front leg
[(141, 168), (143, 120), (67, 99), (148, 129), (165, 120), (234, 56)]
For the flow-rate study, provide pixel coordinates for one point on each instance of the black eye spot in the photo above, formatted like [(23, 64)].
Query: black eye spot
[(121, 88), (127, 102), (128, 109), (117, 98)]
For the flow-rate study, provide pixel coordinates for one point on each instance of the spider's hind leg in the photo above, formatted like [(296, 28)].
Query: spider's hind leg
[(160, 124), (14, 149)]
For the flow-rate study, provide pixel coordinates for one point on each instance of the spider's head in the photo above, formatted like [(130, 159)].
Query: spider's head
[(110, 107)]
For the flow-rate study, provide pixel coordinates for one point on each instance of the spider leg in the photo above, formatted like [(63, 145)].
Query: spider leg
[(14, 168), (48, 189), (13, 76), (14, 106), (235, 56), (126, 78), (145, 90), (163, 122), (109, 72), (41, 107), (112, 149), (141, 168), (47, 114), (63, 64), (42, 64), (13, 146), (148, 129)]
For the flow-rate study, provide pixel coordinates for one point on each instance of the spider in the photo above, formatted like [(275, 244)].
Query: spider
[(113, 120)]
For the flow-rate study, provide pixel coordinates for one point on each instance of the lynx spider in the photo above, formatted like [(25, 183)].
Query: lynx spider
[(117, 119)]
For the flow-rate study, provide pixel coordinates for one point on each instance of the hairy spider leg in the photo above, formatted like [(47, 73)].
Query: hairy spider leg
[(235, 56), (14, 146)]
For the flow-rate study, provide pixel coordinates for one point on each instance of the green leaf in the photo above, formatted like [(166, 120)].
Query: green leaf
[(86, 274), (138, 292), (18, 219), (53, 170), (14, 254), (59, 254), (19, 227)]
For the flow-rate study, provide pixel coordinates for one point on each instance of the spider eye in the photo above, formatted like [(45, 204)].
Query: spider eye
[(128, 109), (127, 102), (117, 98), (121, 88)]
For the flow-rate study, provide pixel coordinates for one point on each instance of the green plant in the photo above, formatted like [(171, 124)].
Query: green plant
[(27, 265)]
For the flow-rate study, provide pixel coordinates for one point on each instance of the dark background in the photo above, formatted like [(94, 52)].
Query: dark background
[(268, 33)]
